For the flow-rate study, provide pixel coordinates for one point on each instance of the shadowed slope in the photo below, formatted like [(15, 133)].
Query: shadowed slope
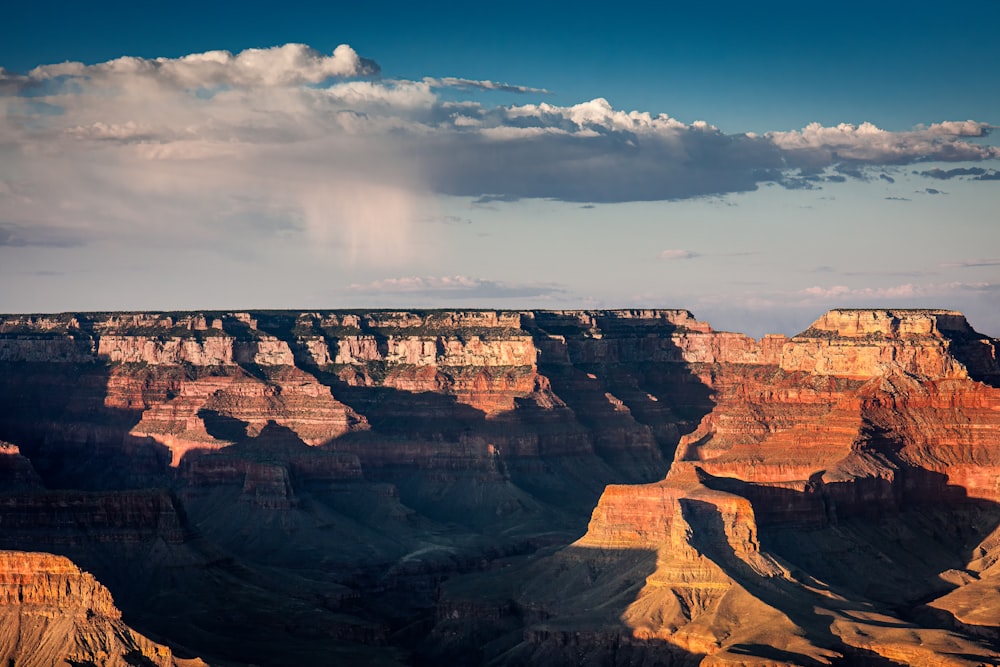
[(833, 508)]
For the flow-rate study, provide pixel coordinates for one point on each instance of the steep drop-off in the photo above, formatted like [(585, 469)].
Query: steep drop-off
[(320, 473), (838, 505), (356, 481)]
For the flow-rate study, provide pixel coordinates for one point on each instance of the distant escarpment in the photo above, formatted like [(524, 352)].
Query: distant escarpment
[(356, 481), (155, 387)]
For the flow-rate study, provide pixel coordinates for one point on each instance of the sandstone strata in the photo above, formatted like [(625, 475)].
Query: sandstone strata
[(52, 613), (868, 417), (838, 487)]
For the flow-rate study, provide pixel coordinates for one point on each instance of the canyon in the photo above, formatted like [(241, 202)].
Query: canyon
[(619, 487)]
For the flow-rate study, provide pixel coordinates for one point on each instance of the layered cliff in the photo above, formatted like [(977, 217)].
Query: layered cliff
[(829, 498), (52, 613), (804, 520), (100, 388), (188, 454)]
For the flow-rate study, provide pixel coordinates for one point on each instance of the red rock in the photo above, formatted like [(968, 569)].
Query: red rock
[(52, 613), (865, 416), (906, 426)]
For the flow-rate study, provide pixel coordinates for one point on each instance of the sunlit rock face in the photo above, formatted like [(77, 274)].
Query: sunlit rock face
[(52, 613), (866, 343), (829, 498), (200, 382), (863, 437)]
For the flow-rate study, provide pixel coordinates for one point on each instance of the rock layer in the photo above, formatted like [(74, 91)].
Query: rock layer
[(332, 470), (52, 613), (868, 418)]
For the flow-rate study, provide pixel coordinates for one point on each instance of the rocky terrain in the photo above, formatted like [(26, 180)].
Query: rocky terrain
[(51, 613), (415, 487)]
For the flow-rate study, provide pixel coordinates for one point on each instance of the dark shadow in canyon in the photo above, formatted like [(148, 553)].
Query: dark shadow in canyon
[(801, 605), (56, 414), (563, 456), (877, 541), (844, 556), (980, 355), (562, 610), (633, 377), (177, 583)]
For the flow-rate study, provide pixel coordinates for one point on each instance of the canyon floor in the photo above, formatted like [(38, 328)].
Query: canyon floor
[(622, 487)]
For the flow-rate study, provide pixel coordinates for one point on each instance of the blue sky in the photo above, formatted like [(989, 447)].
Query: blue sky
[(757, 164)]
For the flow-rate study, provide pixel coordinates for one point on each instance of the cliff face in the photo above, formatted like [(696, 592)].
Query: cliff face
[(852, 343), (358, 451), (161, 386), (52, 613), (804, 500), (869, 421)]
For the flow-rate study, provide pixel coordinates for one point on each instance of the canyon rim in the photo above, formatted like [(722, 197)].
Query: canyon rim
[(625, 487)]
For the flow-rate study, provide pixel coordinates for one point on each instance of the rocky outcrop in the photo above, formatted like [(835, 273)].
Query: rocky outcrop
[(867, 343), (214, 411), (52, 613)]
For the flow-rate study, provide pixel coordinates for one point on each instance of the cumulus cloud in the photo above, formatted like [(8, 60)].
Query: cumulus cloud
[(454, 287), (288, 65), (816, 145), (213, 149)]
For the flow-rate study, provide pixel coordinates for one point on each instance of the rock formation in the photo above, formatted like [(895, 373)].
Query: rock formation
[(762, 545), (354, 478), (52, 613)]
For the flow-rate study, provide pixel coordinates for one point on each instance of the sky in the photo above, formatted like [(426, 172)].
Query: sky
[(755, 163)]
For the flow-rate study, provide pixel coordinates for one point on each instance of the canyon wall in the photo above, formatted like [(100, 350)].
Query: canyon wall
[(866, 434), (355, 471)]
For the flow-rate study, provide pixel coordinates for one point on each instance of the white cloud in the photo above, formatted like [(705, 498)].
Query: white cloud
[(455, 287), (288, 65), (224, 150), (678, 254), (816, 145)]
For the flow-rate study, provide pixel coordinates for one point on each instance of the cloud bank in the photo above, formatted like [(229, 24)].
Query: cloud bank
[(288, 65), (217, 148), (453, 287)]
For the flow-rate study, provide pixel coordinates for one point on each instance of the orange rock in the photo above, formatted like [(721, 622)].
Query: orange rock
[(52, 613)]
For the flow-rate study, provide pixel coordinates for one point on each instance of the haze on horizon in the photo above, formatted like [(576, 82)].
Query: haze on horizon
[(757, 166)]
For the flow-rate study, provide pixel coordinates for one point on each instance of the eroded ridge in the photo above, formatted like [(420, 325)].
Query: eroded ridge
[(830, 463), (52, 613)]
